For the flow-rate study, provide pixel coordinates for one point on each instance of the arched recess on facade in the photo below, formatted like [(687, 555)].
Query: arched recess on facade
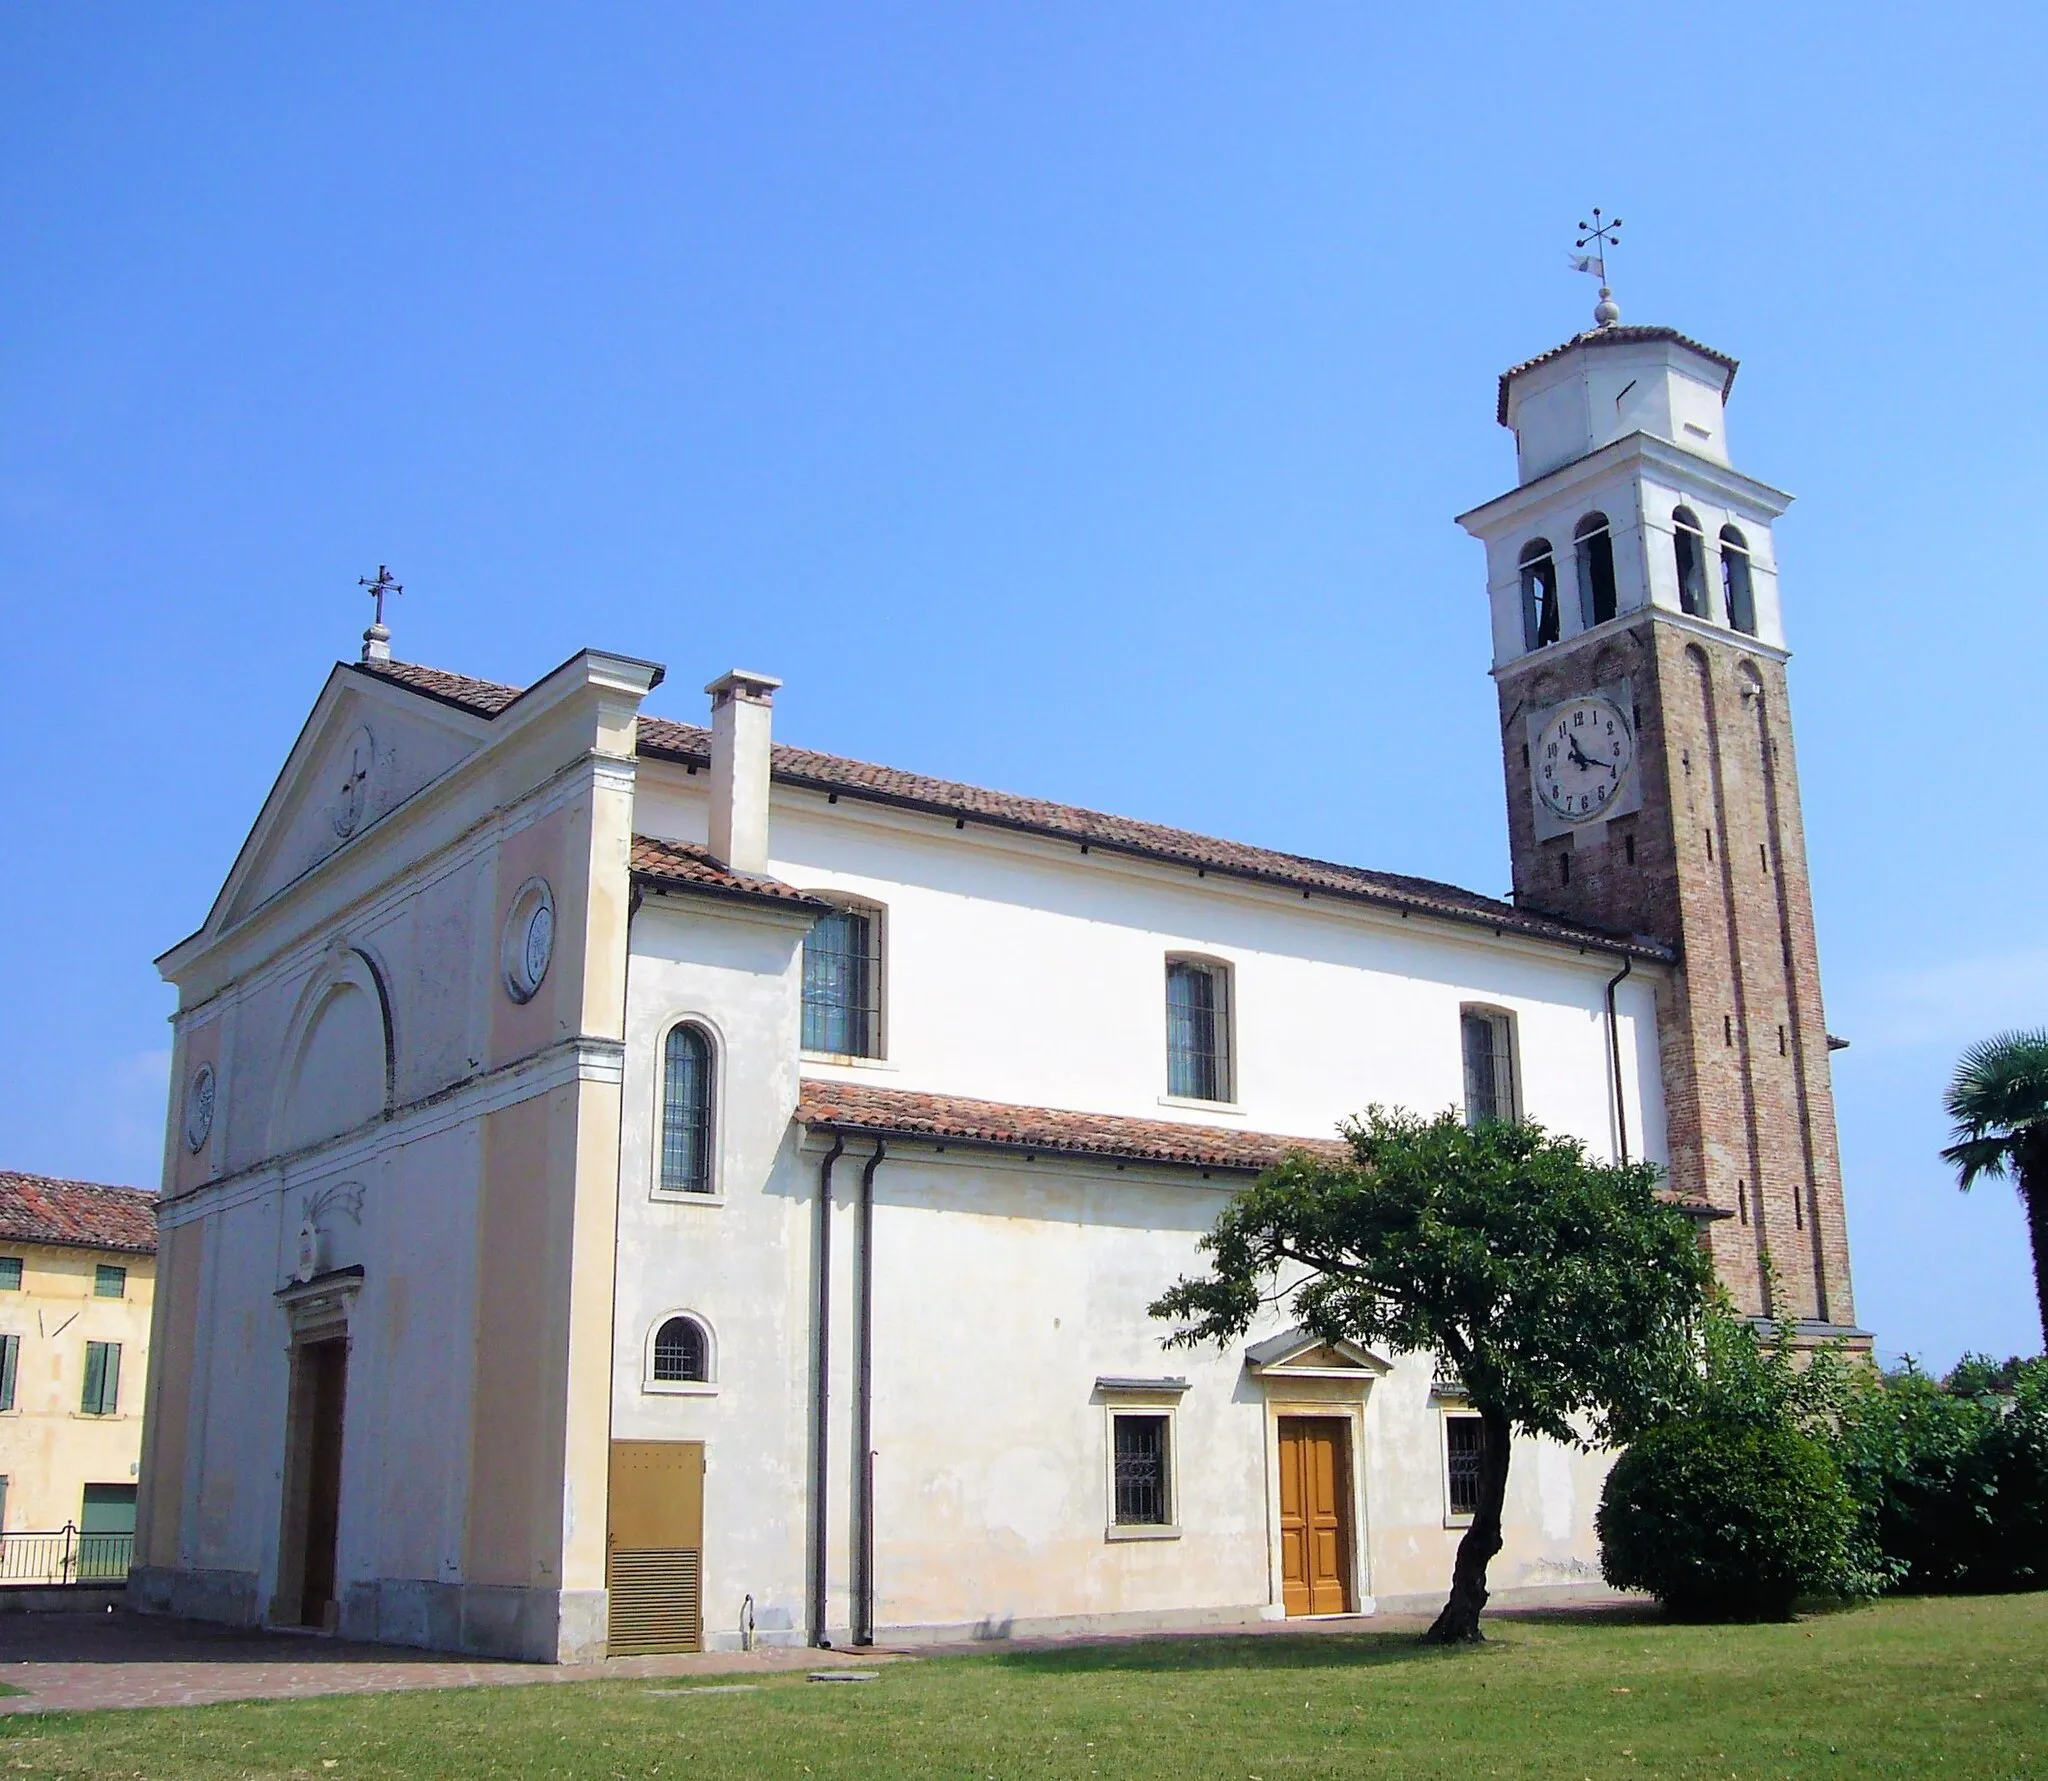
[(338, 1057)]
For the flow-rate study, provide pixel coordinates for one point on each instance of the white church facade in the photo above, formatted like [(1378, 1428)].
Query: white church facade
[(632, 1185)]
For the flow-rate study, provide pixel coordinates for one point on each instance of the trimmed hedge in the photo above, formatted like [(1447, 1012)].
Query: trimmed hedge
[(1727, 1519)]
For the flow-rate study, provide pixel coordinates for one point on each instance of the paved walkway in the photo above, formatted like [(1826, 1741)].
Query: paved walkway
[(83, 1661), (77, 1661)]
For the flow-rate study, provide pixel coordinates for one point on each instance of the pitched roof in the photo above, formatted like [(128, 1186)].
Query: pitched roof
[(662, 738), (1615, 335), (76, 1214), (683, 866), (1000, 1125)]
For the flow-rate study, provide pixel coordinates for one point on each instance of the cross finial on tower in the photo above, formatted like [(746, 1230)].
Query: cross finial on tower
[(1599, 236), (377, 639)]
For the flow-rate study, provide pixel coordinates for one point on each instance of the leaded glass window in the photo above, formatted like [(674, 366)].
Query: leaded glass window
[(682, 1353), (1489, 1065), (1197, 1030), (842, 984), (686, 1112), (1464, 1447), (1142, 1496)]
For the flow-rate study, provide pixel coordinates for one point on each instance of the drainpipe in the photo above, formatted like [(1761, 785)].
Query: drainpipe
[(864, 1415), (1614, 1047), (821, 1354)]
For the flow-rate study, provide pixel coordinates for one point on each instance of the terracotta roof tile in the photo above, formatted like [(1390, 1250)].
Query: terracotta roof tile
[(76, 1214), (1617, 335), (664, 739), (904, 1113), (484, 697), (682, 866)]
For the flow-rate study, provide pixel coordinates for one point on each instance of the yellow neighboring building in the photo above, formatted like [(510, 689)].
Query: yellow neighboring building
[(77, 1273)]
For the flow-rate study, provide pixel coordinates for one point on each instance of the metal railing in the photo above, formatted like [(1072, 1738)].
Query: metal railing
[(65, 1556)]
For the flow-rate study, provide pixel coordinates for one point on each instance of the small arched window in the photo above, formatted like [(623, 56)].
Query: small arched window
[(1594, 547), (682, 1353), (1689, 545), (1539, 594), (1737, 592), (686, 1112)]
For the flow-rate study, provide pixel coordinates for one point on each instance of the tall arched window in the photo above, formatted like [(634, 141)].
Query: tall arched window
[(1539, 594), (682, 1353), (686, 1112), (1594, 547), (1689, 545), (1736, 591)]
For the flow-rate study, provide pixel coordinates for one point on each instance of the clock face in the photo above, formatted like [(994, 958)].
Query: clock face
[(1582, 759)]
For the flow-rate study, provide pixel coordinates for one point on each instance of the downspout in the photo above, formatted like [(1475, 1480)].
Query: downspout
[(821, 1359), (1614, 1048), (864, 1415)]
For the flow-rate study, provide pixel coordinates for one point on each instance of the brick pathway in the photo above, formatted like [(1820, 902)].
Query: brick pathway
[(76, 1661)]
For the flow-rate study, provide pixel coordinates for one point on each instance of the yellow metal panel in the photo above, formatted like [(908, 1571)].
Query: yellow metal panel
[(657, 1496)]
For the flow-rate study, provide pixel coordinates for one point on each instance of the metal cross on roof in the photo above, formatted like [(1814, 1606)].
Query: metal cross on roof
[(1600, 234), (385, 585)]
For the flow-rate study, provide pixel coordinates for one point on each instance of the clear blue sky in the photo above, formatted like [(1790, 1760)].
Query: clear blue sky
[(1070, 398)]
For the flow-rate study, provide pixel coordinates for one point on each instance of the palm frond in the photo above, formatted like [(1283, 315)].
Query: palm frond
[(1972, 1157)]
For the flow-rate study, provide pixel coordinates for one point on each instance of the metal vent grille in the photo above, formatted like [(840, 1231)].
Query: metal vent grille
[(657, 1600)]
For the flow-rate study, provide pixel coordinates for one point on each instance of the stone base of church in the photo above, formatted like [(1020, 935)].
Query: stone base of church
[(1536, 1595), (1073, 1626), (478, 1619)]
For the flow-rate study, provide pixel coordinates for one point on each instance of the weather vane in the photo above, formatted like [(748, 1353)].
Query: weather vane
[(1599, 235), (377, 639)]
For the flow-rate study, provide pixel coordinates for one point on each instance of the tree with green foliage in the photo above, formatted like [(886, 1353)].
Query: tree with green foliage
[(1998, 1099), (1566, 1293)]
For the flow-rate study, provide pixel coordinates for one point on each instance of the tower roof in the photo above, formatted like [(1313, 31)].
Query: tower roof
[(1615, 334)]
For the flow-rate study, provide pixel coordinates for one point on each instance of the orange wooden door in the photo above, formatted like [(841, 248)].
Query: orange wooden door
[(1315, 1515)]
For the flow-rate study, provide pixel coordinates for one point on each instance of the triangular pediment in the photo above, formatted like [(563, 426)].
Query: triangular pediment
[(1297, 1354), (367, 748)]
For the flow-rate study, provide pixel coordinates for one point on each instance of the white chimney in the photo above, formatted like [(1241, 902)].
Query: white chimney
[(742, 707)]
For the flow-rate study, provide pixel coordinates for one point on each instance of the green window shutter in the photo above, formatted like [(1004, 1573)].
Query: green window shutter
[(10, 1354), (10, 1273), (102, 1378), (109, 1282)]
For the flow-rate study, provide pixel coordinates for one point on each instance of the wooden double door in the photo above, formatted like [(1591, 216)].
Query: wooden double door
[(1315, 1514)]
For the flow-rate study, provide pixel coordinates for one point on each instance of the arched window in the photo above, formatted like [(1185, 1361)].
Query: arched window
[(1594, 547), (1736, 591), (682, 1353), (1689, 545), (686, 1109), (1539, 594)]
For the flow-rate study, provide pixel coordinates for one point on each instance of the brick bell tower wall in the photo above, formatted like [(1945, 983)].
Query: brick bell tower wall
[(1714, 864)]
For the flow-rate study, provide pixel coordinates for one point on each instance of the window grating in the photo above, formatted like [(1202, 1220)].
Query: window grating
[(1464, 1446), (1197, 1031), (1489, 1065), (1141, 1493), (686, 1112), (842, 985), (682, 1354)]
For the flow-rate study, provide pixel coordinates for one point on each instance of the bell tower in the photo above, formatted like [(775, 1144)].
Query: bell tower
[(1639, 655)]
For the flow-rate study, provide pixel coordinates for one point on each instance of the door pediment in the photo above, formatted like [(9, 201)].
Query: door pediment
[(1296, 1354)]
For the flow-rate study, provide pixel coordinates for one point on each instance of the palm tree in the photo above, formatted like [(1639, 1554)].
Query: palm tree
[(1999, 1101)]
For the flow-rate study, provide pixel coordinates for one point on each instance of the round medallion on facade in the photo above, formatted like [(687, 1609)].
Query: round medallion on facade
[(529, 939), (199, 1109), (1583, 759)]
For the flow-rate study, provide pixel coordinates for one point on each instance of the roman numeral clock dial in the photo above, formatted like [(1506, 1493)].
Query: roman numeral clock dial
[(1581, 759)]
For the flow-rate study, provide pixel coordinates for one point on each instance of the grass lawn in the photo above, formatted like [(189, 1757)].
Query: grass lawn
[(1954, 1687)]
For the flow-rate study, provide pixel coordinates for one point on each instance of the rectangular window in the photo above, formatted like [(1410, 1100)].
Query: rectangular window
[(1464, 1444), (102, 1395), (842, 984), (1143, 1498), (1489, 1041), (10, 1359), (109, 1282), (10, 1273), (1197, 1030)]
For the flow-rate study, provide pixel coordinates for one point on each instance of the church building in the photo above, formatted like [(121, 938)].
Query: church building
[(634, 1186)]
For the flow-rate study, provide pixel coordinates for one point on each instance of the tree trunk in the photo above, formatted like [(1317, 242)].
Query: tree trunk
[(1458, 1624), (2033, 1185)]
